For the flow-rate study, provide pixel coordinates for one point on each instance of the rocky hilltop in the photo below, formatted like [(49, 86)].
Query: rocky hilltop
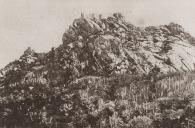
[(95, 45), (98, 53)]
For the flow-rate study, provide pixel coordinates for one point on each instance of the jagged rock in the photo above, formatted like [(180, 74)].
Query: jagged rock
[(28, 51), (105, 45), (111, 45)]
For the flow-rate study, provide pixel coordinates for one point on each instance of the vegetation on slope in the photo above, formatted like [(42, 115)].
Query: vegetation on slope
[(107, 74)]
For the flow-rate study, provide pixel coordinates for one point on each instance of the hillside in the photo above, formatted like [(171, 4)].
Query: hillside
[(107, 73)]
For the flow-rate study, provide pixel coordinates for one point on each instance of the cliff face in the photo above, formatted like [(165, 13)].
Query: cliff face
[(95, 50), (116, 46)]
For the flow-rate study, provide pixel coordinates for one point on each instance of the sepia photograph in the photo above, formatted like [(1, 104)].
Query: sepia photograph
[(97, 63)]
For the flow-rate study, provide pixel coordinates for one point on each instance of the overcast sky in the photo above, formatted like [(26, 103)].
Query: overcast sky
[(41, 23)]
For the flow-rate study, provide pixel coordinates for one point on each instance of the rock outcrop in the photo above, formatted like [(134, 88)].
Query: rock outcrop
[(95, 45), (112, 45)]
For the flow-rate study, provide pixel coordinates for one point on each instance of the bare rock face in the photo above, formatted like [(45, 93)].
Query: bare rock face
[(116, 46)]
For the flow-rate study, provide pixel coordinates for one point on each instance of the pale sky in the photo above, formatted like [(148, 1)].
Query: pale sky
[(41, 23)]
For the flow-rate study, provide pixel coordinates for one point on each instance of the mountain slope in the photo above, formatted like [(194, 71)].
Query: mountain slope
[(105, 65), (96, 46)]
